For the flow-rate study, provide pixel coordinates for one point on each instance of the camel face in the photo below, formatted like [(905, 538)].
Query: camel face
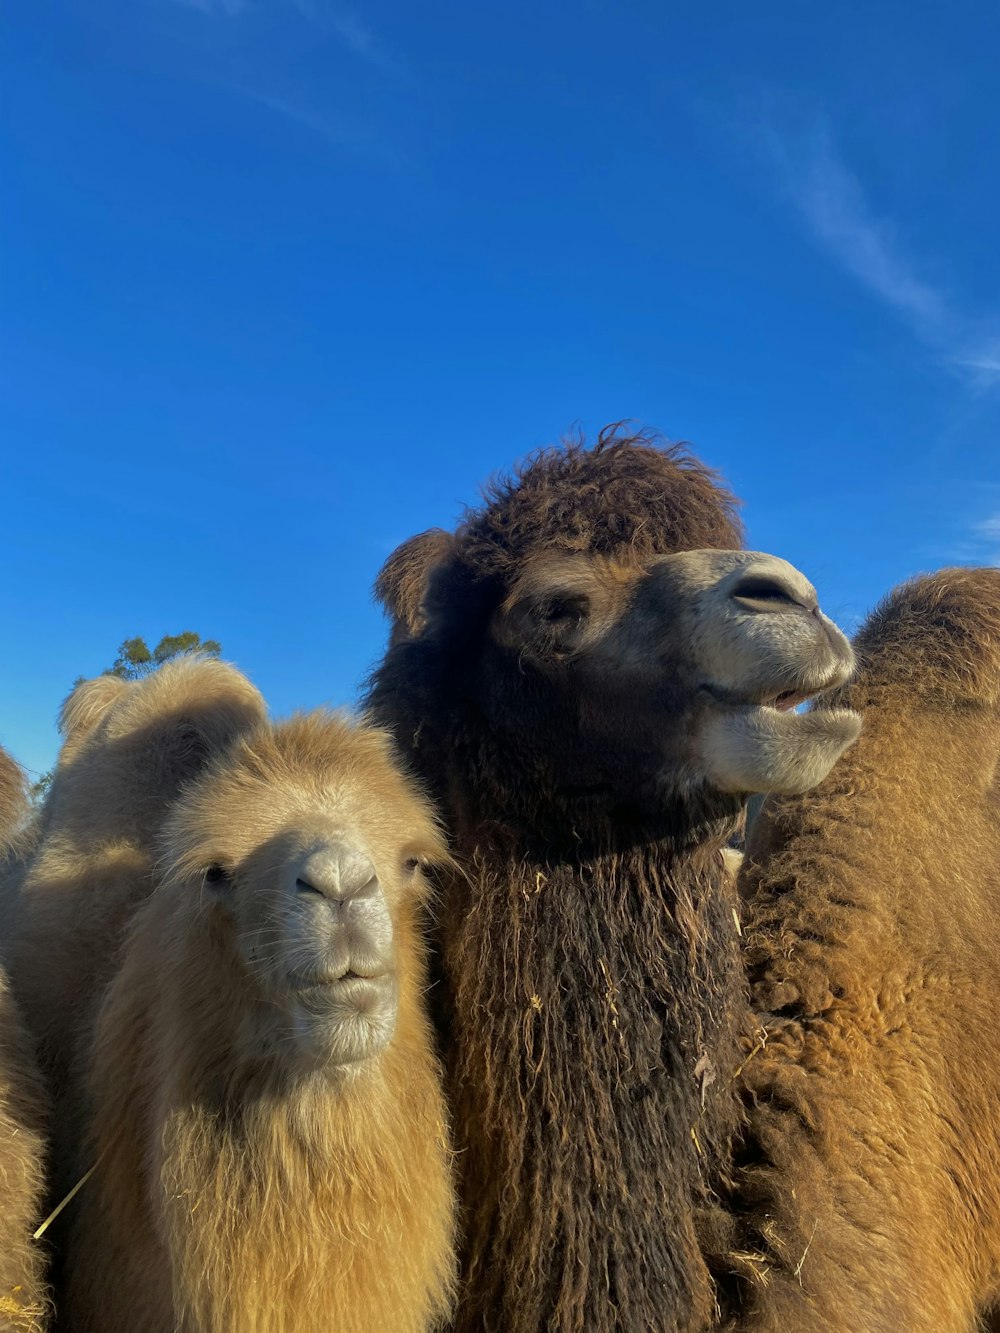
[(313, 925), (307, 879), (702, 654)]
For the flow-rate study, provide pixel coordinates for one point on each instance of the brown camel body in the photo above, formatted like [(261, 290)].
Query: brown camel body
[(589, 706), (264, 1104), (23, 1297), (871, 1171)]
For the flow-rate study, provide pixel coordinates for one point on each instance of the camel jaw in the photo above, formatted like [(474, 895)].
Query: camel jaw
[(760, 747)]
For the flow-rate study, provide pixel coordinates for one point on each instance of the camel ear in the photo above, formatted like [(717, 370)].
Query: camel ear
[(402, 584), (87, 704)]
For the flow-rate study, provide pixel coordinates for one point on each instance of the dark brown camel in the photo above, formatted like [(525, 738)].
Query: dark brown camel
[(590, 678)]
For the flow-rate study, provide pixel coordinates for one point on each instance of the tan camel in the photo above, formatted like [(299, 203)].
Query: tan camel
[(869, 1189), (267, 1118)]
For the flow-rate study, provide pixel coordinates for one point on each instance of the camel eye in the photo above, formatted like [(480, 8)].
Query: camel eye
[(216, 876), (566, 612), (411, 865)]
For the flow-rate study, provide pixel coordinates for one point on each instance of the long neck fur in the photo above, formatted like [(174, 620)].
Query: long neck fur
[(594, 1014), (270, 1205)]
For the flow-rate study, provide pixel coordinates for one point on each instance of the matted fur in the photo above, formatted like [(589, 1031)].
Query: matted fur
[(90, 862), (870, 1182), (232, 1194), (23, 1296), (590, 996)]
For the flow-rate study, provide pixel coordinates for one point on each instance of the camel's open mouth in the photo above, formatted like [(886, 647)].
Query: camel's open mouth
[(784, 701), (787, 700)]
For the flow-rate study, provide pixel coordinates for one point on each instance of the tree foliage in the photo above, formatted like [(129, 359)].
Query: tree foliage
[(136, 660)]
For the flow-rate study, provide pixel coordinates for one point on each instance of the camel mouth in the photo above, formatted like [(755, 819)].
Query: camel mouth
[(345, 982), (787, 700), (764, 744), (781, 701)]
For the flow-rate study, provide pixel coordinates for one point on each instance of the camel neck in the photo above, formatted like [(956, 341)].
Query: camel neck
[(595, 1010)]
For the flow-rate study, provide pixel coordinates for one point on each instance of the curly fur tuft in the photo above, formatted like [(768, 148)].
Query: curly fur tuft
[(627, 491)]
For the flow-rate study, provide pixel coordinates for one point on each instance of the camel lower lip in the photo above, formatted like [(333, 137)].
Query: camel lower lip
[(329, 983)]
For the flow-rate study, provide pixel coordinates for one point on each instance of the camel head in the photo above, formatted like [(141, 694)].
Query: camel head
[(307, 842), (705, 654), (596, 626)]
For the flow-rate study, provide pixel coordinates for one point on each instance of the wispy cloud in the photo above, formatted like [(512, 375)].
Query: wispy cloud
[(342, 23), (976, 542), (227, 8), (339, 130), (836, 210), (359, 38), (260, 25), (346, 25), (982, 363)]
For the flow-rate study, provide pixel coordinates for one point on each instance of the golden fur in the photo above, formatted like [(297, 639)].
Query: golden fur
[(23, 1298), (13, 797), (90, 859), (870, 1182), (235, 1193)]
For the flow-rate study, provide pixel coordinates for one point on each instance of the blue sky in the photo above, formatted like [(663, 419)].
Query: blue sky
[(284, 280)]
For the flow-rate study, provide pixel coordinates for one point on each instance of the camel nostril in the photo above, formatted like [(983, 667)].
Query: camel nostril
[(371, 889), (338, 873), (770, 592)]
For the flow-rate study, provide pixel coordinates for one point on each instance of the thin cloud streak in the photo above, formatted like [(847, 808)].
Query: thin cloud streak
[(979, 544), (343, 134), (344, 24), (832, 202), (228, 8), (359, 38)]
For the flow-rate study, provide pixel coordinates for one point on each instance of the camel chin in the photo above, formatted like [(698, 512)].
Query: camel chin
[(757, 748)]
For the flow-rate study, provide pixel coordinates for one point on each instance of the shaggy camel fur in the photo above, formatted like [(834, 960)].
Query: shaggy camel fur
[(13, 797), (23, 1299), (267, 1116), (555, 673), (871, 1173), (128, 749), (22, 1125)]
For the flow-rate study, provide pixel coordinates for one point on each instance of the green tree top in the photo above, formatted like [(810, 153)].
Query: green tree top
[(135, 659)]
